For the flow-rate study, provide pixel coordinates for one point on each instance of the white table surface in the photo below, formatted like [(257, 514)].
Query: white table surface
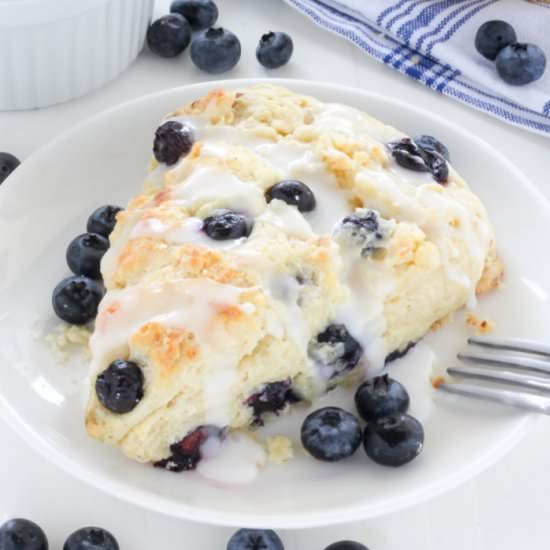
[(504, 508)]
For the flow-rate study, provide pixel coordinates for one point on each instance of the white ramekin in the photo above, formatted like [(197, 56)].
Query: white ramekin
[(55, 50)]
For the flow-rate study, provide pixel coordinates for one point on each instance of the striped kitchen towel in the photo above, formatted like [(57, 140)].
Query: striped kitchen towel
[(432, 41)]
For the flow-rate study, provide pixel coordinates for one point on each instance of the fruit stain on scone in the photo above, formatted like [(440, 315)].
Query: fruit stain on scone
[(281, 246)]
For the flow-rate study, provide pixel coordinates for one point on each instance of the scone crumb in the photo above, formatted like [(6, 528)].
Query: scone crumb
[(438, 381), (442, 322), (481, 326), (65, 337), (279, 449)]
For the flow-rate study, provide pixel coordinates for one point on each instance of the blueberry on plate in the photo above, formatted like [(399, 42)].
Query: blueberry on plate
[(393, 440), (274, 49), (331, 434), (8, 163), (429, 142), (186, 453), (169, 35), (103, 220), (255, 539), (379, 397), (216, 50), (173, 140), (75, 299), (292, 192), (346, 545), (22, 534), (519, 64), (492, 36), (84, 254), (119, 387), (225, 225), (335, 350), (91, 538), (201, 14)]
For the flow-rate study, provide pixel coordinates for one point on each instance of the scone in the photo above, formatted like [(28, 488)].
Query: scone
[(280, 245)]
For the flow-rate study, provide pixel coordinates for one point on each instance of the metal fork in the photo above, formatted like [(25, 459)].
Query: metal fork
[(525, 364)]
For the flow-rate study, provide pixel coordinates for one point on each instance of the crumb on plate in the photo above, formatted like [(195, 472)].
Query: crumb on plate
[(481, 326), (65, 337), (279, 449), (438, 381)]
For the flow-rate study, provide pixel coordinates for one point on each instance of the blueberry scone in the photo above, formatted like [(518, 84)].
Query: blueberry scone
[(280, 245)]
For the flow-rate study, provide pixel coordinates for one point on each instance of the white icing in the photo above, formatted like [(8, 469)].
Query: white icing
[(286, 218), (191, 304), (236, 462)]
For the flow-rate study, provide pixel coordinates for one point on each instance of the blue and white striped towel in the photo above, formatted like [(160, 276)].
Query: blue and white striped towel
[(432, 41)]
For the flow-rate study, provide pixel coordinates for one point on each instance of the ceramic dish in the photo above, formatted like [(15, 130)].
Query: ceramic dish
[(46, 202)]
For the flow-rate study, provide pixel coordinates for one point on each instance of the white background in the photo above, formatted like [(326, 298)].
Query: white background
[(505, 508)]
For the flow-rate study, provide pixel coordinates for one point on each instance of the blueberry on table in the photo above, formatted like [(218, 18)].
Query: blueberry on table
[(274, 49), (255, 539), (75, 300), (393, 440), (292, 192), (520, 64), (22, 534), (173, 140), (331, 434), (119, 387), (429, 142), (225, 225), (216, 50), (8, 163), (381, 396), (346, 545), (84, 254), (492, 36), (91, 538), (201, 14), (103, 220), (169, 35), (335, 350)]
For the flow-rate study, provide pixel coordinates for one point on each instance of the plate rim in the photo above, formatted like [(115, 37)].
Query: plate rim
[(150, 501)]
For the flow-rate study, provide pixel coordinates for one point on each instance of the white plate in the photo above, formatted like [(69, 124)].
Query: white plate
[(46, 202)]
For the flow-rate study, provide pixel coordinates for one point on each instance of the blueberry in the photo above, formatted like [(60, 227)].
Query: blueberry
[(84, 254), (119, 387), (22, 534), (273, 397), (91, 538), (224, 225), (292, 192), (429, 142), (492, 36), (335, 350), (216, 50), (103, 220), (255, 539), (173, 140), (331, 434), (169, 35), (8, 163), (186, 453), (201, 14), (394, 440), (274, 50), (346, 545), (379, 397), (413, 157), (520, 64), (75, 299)]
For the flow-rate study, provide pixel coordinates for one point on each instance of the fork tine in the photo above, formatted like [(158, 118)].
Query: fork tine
[(530, 402), (503, 377), (526, 363), (512, 344)]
